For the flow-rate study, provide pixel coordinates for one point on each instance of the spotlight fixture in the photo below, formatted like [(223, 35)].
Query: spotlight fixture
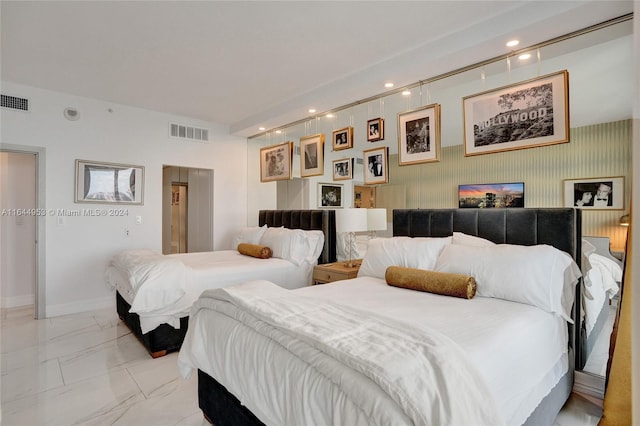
[(513, 43), (388, 85), (312, 110), (524, 56), (262, 129), (406, 92)]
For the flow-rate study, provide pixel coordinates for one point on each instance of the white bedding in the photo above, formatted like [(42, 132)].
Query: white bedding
[(519, 352), (162, 288), (601, 284)]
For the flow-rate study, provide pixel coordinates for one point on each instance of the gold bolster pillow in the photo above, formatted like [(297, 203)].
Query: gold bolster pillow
[(457, 285), (255, 250)]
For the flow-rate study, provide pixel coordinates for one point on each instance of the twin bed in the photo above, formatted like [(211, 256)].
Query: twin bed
[(154, 292), (363, 352)]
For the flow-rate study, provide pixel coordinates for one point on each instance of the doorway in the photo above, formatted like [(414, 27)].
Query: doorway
[(187, 210), (23, 227)]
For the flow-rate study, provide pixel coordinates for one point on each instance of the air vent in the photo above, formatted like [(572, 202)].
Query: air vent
[(187, 132), (13, 102)]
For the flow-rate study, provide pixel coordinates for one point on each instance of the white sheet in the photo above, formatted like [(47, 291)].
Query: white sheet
[(201, 271), (601, 284), (520, 350)]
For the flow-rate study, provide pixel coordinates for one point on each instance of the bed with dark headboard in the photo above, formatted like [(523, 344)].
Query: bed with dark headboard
[(557, 227), (165, 338)]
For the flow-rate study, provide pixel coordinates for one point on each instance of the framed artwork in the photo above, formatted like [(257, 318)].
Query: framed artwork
[(375, 130), (523, 115), (605, 193), (419, 135), (343, 169), (343, 138), (376, 163), (312, 155), (491, 195), (108, 183), (329, 195), (275, 162)]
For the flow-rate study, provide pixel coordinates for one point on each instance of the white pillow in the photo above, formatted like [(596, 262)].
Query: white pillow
[(420, 253), (470, 240), (295, 245), (541, 275), (250, 235)]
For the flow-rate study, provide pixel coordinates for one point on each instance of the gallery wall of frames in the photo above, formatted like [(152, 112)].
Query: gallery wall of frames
[(542, 124)]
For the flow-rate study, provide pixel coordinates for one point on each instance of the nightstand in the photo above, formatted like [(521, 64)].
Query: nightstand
[(336, 271)]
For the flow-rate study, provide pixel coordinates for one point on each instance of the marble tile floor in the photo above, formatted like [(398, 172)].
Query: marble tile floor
[(88, 369)]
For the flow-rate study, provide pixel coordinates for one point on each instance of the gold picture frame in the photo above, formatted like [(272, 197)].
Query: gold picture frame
[(275, 162), (419, 135), (375, 129), (376, 165), (312, 155), (342, 138), (528, 114), (342, 169)]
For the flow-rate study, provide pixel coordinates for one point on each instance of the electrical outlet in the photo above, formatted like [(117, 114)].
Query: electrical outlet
[(126, 232)]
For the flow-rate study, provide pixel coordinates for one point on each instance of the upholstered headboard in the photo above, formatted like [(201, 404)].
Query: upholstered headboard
[(557, 227), (322, 220)]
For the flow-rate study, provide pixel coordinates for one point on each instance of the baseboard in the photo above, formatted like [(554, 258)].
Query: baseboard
[(16, 301), (589, 384), (81, 306)]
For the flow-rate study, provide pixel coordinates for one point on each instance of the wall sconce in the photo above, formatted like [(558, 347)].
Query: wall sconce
[(351, 220), (624, 220)]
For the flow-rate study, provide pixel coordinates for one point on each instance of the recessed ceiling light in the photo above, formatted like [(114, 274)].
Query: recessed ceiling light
[(261, 128), (278, 131), (406, 92), (513, 43), (329, 115), (524, 56), (388, 85), (311, 110)]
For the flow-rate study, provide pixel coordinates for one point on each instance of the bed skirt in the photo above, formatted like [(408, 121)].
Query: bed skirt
[(159, 341)]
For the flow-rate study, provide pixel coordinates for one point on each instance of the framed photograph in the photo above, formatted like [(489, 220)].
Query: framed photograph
[(343, 169), (595, 193), (312, 155), (419, 135), (343, 138), (375, 130), (491, 195), (275, 162), (523, 115), (376, 163), (329, 195), (108, 183)]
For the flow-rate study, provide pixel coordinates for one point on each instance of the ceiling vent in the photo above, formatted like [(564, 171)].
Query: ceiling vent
[(187, 132), (13, 102)]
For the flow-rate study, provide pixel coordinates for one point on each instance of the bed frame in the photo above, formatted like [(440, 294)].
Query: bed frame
[(559, 227), (164, 339)]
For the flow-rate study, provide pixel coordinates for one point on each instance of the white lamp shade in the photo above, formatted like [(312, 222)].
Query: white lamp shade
[(351, 220), (376, 219)]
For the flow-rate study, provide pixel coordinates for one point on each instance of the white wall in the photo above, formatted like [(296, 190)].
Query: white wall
[(78, 249)]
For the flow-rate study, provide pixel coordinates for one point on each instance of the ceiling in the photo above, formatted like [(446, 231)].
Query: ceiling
[(247, 64)]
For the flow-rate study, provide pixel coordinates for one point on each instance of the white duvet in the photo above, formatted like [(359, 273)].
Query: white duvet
[(511, 354), (601, 284), (162, 288)]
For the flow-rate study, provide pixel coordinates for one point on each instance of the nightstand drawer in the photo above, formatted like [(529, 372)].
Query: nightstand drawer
[(334, 272), (328, 276)]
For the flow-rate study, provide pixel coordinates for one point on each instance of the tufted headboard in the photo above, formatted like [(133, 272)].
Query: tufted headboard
[(322, 220), (557, 227)]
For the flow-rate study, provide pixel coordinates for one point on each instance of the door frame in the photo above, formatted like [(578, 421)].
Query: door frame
[(40, 290)]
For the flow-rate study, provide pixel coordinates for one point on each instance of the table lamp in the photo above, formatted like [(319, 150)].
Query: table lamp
[(376, 221), (351, 220)]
